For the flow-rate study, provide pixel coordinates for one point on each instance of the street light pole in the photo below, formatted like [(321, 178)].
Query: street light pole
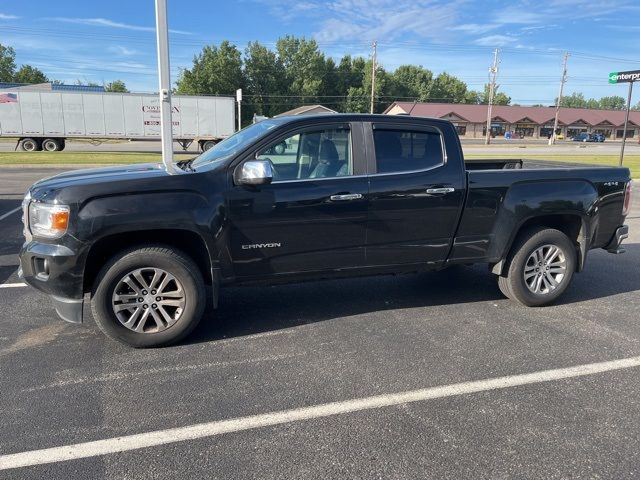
[(166, 129)]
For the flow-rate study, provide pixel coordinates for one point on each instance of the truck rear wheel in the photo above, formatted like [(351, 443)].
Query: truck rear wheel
[(30, 145), (539, 268), (207, 145), (148, 297), (51, 145)]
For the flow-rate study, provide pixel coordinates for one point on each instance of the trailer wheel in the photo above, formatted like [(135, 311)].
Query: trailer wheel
[(30, 145), (51, 145), (207, 145), (63, 144)]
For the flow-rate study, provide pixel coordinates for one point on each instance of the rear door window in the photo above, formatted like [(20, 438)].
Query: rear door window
[(407, 150)]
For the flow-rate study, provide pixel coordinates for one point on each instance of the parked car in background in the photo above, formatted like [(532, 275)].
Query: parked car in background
[(589, 137)]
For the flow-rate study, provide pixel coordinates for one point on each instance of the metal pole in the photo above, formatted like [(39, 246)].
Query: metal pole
[(166, 132), (626, 121), (239, 115), (373, 75), (552, 140), (493, 71)]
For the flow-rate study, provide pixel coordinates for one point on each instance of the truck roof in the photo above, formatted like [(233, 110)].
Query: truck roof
[(361, 117)]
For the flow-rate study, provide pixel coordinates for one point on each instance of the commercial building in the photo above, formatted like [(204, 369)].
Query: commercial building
[(524, 122)]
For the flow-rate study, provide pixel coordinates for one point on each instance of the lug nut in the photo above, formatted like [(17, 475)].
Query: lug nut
[(153, 292), (158, 299), (144, 292), (145, 306), (140, 299), (154, 306)]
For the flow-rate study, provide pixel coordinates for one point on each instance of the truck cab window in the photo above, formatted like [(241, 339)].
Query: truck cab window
[(313, 154), (405, 151)]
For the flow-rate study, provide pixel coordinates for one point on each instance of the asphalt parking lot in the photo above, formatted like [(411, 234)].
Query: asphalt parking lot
[(350, 370)]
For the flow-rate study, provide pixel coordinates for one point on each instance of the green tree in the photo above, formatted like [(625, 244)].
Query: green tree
[(357, 100), (304, 67), (614, 102), (482, 98), (215, 71), (264, 80), (575, 100), (116, 86), (7, 63), (412, 82), (86, 82), (29, 74), (349, 75), (447, 88)]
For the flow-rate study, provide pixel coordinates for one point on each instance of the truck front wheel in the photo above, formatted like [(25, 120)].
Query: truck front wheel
[(148, 297), (539, 267)]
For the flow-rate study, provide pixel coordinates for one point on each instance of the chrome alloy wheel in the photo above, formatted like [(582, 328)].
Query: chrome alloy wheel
[(545, 269), (148, 300)]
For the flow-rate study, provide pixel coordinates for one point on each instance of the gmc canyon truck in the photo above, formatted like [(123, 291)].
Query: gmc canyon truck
[(299, 198)]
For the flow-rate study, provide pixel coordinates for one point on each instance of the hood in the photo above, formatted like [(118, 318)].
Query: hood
[(46, 188), (96, 174)]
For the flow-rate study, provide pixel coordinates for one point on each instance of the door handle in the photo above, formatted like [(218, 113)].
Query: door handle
[(345, 197), (441, 190)]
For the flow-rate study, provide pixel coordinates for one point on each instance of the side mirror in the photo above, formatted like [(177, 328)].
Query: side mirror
[(255, 172)]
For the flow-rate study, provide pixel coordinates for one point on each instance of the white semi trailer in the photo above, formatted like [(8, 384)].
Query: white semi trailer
[(43, 120)]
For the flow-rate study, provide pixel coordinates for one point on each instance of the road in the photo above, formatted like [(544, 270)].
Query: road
[(345, 349)]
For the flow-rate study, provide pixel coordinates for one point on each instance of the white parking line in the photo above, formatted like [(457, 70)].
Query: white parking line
[(13, 285), (11, 212), (204, 430)]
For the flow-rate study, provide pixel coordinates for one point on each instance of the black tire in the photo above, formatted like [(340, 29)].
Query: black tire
[(63, 144), (207, 145), (30, 145), (168, 259), (512, 282), (51, 145)]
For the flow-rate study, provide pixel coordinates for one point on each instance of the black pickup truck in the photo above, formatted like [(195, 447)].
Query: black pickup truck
[(308, 197)]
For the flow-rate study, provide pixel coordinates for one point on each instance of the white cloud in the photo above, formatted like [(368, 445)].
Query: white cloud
[(122, 50), (105, 22), (476, 28), (6, 16), (495, 40)]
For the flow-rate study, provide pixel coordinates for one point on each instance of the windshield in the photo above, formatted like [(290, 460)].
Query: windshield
[(235, 143)]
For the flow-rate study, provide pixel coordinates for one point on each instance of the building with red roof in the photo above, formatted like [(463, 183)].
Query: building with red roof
[(527, 122)]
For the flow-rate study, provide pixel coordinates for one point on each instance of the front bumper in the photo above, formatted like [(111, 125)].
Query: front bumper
[(56, 270), (614, 245)]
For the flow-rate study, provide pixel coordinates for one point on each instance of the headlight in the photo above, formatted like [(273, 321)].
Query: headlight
[(50, 221)]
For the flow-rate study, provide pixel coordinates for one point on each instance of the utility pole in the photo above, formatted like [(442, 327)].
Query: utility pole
[(374, 45), (626, 123), (493, 73), (563, 80), (166, 128)]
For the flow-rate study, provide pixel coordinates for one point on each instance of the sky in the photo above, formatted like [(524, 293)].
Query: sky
[(104, 41)]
